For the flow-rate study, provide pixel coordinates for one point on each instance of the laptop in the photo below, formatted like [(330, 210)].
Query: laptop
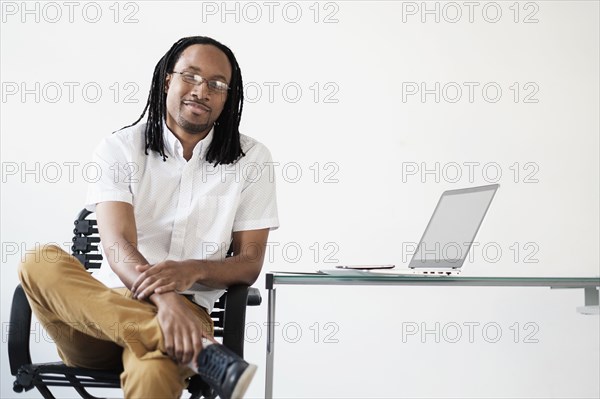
[(448, 236)]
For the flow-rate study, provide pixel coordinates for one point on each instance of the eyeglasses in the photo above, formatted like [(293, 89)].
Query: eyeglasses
[(196, 80)]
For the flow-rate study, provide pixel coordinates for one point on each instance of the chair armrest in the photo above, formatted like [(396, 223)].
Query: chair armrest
[(18, 331), (234, 323), (254, 298)]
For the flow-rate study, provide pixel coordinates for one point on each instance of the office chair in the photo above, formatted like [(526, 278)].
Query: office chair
[(229, 316)]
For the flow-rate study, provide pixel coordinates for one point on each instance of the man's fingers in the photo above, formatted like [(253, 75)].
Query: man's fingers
[(195, 345), (145, 290), (136, 284), (166, 288), (169, 346), (184, 348), (188, 351), (179, 347), (141, 286), (146, 271), (142, 269), (197, 340)]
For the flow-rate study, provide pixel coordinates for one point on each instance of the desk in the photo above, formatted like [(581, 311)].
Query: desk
[(589, 284)]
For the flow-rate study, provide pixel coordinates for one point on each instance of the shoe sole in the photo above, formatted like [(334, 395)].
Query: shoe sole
[(244, 382)]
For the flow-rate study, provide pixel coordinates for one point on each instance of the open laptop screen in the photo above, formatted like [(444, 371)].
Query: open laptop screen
[(452, 227)]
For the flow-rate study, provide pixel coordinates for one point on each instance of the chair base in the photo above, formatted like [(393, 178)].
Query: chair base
[(58, 374)]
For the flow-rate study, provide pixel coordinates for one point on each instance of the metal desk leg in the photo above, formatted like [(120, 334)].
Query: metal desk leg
[(270, 344), (591, 296), (592, 302)]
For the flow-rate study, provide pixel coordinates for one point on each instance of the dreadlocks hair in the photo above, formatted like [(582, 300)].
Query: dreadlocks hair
[(225, 147)]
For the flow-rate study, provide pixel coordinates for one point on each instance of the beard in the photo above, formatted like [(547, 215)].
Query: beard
[(193, 128)]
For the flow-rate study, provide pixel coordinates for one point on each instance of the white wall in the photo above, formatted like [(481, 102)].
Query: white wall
[(364, 134)]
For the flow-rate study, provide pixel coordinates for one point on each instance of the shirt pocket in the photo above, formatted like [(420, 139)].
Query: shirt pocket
[(215, 223)]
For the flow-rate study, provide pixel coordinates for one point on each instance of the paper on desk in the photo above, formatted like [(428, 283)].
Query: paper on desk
[(358, 272), (318, 272)]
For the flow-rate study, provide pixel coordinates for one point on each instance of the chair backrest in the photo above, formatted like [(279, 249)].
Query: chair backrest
[(86, 241), (86, 248)]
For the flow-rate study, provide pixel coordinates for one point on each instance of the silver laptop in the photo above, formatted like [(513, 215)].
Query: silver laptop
[(448, 236)]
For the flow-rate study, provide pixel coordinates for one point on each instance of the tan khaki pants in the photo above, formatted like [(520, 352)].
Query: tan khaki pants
[(97, 327)]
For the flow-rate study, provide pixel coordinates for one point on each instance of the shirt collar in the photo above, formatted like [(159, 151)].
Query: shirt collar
[(173, 146), (202, 147)]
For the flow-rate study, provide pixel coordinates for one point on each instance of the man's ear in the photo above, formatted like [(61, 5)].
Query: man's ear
[(167, 82)]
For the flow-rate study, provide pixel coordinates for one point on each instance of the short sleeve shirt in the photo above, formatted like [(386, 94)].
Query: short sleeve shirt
[(184, 209)]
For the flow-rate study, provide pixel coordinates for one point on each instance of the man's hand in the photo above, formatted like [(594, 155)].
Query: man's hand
[(241, 268), (182, 330), (163, 277)]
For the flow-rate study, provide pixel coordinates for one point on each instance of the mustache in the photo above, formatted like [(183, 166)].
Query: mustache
[(200, 103)]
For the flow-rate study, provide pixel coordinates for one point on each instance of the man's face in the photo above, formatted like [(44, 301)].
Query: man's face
[(193, 109)]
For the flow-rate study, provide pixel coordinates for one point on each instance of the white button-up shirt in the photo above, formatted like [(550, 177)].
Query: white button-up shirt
[(184, 209)]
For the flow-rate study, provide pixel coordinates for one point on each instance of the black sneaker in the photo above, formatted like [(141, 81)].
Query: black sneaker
[(227, 373)]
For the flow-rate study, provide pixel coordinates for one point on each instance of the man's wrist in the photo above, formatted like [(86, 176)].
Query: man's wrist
[(160, 299), (198, 269)]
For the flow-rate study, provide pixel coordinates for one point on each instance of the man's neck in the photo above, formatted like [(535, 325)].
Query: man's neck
[(188, 141)]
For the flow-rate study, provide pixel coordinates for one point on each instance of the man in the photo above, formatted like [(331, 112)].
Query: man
[(175, 192)]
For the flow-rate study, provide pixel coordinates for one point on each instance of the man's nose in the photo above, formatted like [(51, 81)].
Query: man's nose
[(201, 90)]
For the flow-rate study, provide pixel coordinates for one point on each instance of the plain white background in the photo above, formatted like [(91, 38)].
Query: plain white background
[(372, 109)]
